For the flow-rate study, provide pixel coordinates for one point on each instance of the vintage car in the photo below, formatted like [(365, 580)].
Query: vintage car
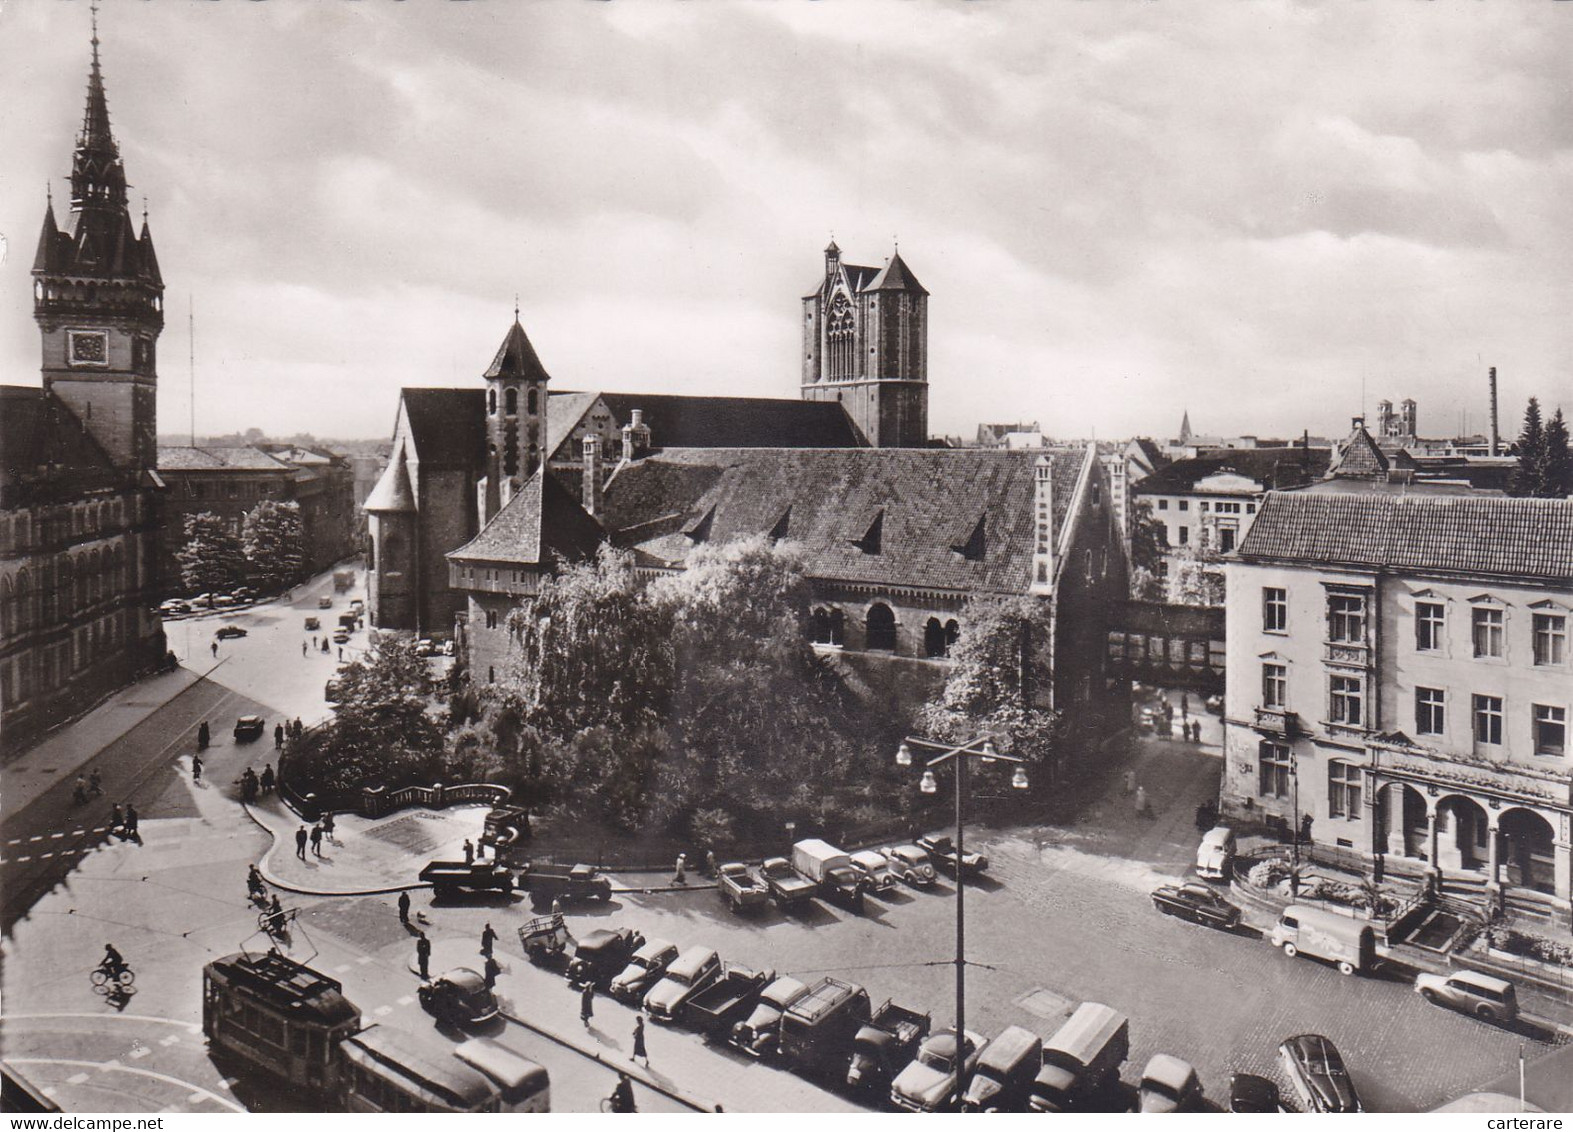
[(1485, 996), (943, 850), (248, 727), (643, 971), (910, 865), (1250, 1093), (225, 632), (1196, 903), (1168, 1085), (601, 954), (313, 624), (324, 602), (1316, 1069), (460, 997)]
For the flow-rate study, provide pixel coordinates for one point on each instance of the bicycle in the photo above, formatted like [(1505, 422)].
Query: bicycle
[(107, 980)]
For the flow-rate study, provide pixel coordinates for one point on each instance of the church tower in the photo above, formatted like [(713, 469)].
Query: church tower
[(865, 346), (98, 297), (515, 419)]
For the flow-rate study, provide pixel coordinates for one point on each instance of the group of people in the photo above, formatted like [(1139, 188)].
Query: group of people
[(252, 784), (123, 822), (318, 831), (90, 787)]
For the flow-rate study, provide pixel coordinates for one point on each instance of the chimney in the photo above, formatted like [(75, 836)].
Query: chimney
[(636, 436), (1043, 527), (1495, 443), (592, 474)]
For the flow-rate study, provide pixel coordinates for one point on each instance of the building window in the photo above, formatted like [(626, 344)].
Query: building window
[(880, 628), (1429, 626), (1163, 504), (1346, 619), (1250, 508), (1430, 717), (1488, 632), (1343, 790), (1551, 730), (1275, 610), (1488, 719), (1185, 534), (532, 401), (1225, 539), (1274, 769), (1344, 696), (1275, 685), (510, 401), (1551, 638), (1185, 505)]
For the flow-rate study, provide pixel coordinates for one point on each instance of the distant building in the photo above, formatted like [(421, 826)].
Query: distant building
[(1025, 434), (230, 481), (1210, 501), (1128, 464), (79, 494), (1400, 672)]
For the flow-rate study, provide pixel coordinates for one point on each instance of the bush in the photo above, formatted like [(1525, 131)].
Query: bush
[(1531, 946), (1268, 874)]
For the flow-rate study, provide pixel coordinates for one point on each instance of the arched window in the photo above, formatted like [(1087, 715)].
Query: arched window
[(491, 401), (510, 454), (952, 632), (840, 332), (880, 628), (934, 638), (491, 675), (511, 401), (531, 401)]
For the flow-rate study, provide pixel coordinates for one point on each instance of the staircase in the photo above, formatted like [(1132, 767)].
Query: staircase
[(1528, 904)]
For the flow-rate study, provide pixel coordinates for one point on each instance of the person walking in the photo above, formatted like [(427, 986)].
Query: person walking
[(404, 907), (204, 736), (316, 840), (131, 823), (303, 648), (341, 652), (680, 873), (95, 784), (214, 647), (196, 768), (469, 852), (488, 939), (267, 779), (423, 955), (639, 1048), (300, 842), (278, 736), (116, 818), (490, 972), (587, 1004), (1141, 801), (327, 827)]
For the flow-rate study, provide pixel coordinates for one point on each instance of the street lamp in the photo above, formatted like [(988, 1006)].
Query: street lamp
[(981, 747)]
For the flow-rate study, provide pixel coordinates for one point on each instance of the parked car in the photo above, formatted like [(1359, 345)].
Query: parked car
[(740, 888), (225, 632), (760, 1032), (1196, 903), (910, 865), (692, 971), (785, 883), (460, 997), (313, 624), (324, 602), (831, 871), (1485, 996), (1168, 1085), (1081, 1057), (817, 1030), (1215, 855), (568, 883), (645, 968), (875, 870), (341, 636), (1005, 1073), (1250, 1093), (601, 954), (943, 850), (1316, 1070), (715, 1010), (1340, 939), (224, 601), (203, 601), (884, 1045), (330, 691), (1215, 704), (244, 593), (357, 605), (928, 1083), (248, 727), (173, 607), (451, 878), (447, 648)]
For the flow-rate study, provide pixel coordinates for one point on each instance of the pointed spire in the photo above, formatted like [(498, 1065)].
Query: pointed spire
[(516, 358), (1185, 427), (47, 257), (896, 276)]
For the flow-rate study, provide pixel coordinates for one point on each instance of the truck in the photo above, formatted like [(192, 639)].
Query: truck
[(545, 939), (602, 953), (505, 828), (567, 883), (1347, 942), (786, 886), (817, 1030), (740, 888), (943, 850), (928, 1083), (1003, 1079), (884, 1044), (1081, 1057), (721, 1005), (831, 871), (760, 1032), (449, 878), (343, 580)]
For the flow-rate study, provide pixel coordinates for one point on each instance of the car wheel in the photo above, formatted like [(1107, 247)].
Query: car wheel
[(1430, 996), (1291, 950), (1485, 1013), (1345, 967)]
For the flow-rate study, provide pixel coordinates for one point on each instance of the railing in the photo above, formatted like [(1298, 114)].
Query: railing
[(1344, 652), (1278, 721), (375, 801)]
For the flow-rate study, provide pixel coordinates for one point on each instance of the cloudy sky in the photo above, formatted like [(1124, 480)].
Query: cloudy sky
[(1121, 210)]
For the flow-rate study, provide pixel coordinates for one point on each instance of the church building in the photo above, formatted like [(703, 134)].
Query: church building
[(79, 489)]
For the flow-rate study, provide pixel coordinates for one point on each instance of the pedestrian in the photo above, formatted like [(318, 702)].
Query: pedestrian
[(95, 785), (341, 652), (1141, 801), (300, 842), (1305, 829), (79, 792), (300, 728), (1130, 781), (116, 818), (710, 865), (404, 907), (316, 840), (680, 873), (303, 648), (469, 852), (491, 971), (325, 644), (131, 823), (204, 736), (488, 938), (587, 1003), (423, 955), (327, 827), (639, 1049), (557, 908), (196, 768), (214, 647), (267, 779), (278, 736), (1185, 703)]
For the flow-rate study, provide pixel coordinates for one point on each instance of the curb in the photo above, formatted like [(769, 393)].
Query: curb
[(632, 1070)]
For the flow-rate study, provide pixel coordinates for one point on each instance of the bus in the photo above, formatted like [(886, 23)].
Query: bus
[(279, 1015), (387, 1070)]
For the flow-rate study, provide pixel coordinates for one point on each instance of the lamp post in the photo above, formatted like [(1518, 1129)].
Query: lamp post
[(1294, 832), (981, 747)]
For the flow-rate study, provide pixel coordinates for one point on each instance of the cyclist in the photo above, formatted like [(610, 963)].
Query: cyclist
[(276, 916), (622, 1097), (112, 963), (254, 883)]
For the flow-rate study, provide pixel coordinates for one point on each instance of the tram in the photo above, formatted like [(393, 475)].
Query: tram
[(295, 1023)]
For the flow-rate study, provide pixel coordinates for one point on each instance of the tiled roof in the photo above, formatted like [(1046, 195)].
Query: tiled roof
[(1271, 467), (927, 503), (45, 450), (1361, 456), (1402, 487), (393, 492), (516, 358), (184, 458), (897, 276), (563, 412), (1503, 537), (540, 525), (735, 422), (449, 426)]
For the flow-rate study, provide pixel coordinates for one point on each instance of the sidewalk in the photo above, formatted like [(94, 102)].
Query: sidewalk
[(680, 1062)]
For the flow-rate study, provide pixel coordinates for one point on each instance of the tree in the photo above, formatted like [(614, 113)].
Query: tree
[(211, 559), (1190, 581), (275, 541), (1529, 478), (1559, 458), (1149, 539), (383, 732), (996, 666)]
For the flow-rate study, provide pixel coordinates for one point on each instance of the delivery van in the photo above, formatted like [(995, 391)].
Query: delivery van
[(1343, 940)]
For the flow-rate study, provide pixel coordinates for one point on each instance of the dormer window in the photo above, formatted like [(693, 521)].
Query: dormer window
[(872, 538), (976, 544)]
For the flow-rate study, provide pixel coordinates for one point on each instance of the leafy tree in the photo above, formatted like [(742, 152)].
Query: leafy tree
[(275, 542), (1149, 539), (1190, 582), (998, 662), (211, 559), (1559, 458)]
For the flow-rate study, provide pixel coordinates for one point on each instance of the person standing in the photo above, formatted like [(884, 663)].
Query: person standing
[(116, 818), (469, 852), (423, 955), (490, 972), (710, 863), (204, 736), (327, 827), (587, 1004), (404, 907), (680, 872), (303, 648), (300, 728), (300, 843), (131, 823), (278, 736), (267, 779), (214, 647), (1141, 801), (488, 938), (316, 840), (639, 1048), (196, 768)]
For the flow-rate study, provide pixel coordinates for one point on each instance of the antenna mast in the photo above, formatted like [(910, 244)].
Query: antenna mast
[(191, 346)]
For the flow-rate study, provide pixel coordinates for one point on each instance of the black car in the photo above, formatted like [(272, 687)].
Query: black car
[(248, 727), (601, 954), (225, 632), (460, 997), (1196, 903), (1250, 1093), (1316, 1069)]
